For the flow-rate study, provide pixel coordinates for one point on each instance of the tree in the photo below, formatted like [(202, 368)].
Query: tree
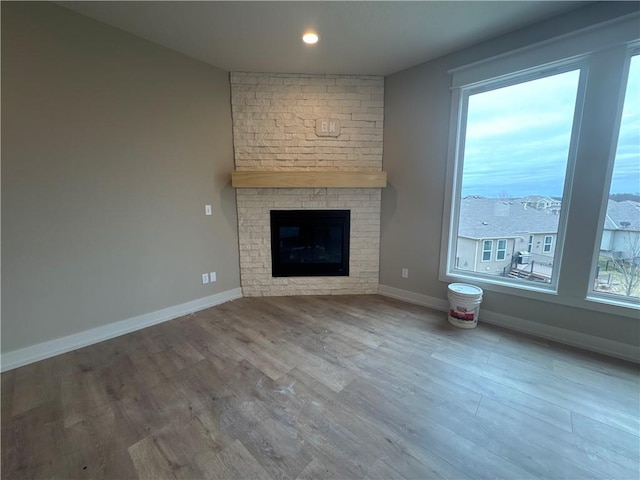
[(627, 262)]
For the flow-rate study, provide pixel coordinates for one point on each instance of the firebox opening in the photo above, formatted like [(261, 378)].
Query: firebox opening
[(308, 243)]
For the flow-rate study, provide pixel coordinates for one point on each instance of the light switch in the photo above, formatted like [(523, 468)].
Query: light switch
[(207, 209)]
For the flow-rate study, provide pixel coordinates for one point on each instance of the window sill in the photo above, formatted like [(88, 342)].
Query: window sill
[(549, 294), (615, 301)]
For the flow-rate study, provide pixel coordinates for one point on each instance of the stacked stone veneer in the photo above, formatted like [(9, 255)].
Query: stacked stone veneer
[(274, 128)]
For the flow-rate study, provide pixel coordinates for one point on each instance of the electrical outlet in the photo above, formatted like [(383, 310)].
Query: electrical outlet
[(213, 277), (405, 273), (205, 278)]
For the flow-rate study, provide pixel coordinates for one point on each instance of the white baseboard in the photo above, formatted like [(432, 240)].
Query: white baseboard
[(51, 348), (592, 343)]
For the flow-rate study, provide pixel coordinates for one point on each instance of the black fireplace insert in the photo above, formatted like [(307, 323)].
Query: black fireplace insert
[(310, 243)]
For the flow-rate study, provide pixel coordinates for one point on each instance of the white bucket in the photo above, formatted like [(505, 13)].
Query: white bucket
[(464, 305)]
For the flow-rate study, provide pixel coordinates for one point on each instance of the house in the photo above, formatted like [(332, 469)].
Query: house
[(542, 203), (118, 213), (493, 231), (622, 229)]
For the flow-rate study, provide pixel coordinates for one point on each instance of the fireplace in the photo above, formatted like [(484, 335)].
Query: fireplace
[(310, 243)]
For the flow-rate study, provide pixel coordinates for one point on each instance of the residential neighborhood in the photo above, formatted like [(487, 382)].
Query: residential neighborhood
[(517, 237), (621, 228)]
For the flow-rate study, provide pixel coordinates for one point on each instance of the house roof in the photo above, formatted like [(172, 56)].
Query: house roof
[(508, 218), (503, 218), (623, 216)]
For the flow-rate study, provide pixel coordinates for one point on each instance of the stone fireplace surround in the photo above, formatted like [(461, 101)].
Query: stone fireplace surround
[(274, 129)]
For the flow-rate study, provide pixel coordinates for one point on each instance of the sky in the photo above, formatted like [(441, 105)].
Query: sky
[(517, 138), (625, 170)]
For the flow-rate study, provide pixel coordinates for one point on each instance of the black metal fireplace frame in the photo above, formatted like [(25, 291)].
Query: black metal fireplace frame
[(309, 219)]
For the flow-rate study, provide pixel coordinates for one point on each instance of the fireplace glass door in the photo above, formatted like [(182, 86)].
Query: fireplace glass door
[(307, 243)]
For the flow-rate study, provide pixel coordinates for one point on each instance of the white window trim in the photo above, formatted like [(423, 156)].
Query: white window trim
[(593, 295), (504, 250), (599, 38), (575, 44), (482, 260), (459, 111), (546, 244)]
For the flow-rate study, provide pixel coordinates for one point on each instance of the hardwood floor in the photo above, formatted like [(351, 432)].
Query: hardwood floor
[(361, 387)]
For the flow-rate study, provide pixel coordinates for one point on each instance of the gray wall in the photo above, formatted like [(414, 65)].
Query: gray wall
[(111, 147), (417, 111)]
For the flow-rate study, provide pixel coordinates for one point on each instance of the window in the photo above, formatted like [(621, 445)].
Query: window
[(617, 269), (501, 251), (541, 139), (487, 247), (514, 159)]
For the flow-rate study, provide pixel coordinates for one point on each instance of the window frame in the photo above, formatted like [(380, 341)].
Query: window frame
[(594, 295), (461, 102), (548, 244), (503, 250), (594, 46), (484, 250)]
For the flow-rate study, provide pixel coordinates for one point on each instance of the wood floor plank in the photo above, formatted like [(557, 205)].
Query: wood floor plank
[(150, 462), (337, 387), (407, 466), (239, 463), (546, 353), (278, 448), (472, 458), (34, 445), (611, 438), (592, 456), (106, 426), (605, 380), (243, 397), (90, 453), (316, 471), (412, 378), (384, 439), (377, 420), (588, 401), (421, 420), (330, 312), (527, 403), (296, 356), (6, 394), (34, 385), (81, 393), (272, 366), (593, 386)]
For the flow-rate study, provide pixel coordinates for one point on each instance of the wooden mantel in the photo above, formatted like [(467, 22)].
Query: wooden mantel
[(315, 179)]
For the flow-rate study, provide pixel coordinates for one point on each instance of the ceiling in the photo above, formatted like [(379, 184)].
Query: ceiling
[(357, 37)]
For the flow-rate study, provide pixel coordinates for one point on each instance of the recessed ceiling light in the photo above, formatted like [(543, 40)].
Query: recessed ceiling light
[(310, 38)]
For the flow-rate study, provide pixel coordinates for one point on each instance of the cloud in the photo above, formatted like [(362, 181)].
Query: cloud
[(517, 124), (517, 138)]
